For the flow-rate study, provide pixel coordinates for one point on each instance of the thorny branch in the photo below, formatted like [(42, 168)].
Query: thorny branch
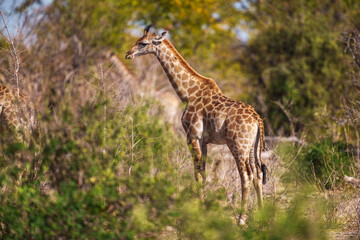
[(14, 54)]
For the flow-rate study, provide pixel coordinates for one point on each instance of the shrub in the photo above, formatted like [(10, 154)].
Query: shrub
[(324, 162), (100, 174), (298, 221), (96, 176)]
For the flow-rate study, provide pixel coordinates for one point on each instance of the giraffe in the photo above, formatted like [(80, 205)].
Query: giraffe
[(210, 116), (135, 84), (10, 111), (123, 70)]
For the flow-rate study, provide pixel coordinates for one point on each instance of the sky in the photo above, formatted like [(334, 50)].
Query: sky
[(13, 21)]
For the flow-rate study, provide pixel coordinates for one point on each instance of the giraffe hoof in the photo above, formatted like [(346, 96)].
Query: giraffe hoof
[(242, 219), (242, 222)]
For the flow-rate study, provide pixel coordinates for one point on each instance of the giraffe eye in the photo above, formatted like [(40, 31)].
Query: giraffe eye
[(142, 44)]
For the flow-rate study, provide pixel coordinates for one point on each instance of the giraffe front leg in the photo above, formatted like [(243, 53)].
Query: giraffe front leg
[(203, 160), (193, 127), (199, 167)]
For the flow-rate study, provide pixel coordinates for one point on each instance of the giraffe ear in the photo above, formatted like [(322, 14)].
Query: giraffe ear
[(160, 37)]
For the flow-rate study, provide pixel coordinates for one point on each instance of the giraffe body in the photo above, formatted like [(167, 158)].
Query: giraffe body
[(210, 116), (10, 110)]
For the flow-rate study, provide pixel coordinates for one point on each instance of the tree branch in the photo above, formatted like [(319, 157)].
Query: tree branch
[(288, 115), (352, 180), (14, 55), (285, 139)]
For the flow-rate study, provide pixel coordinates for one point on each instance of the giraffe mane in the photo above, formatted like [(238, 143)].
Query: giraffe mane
[(207, 81)]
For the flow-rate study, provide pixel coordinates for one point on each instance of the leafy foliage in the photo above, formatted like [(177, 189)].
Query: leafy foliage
[(296, 58), (113, 178), (86, 182), (324, 163), (97, 169), (272, 223)]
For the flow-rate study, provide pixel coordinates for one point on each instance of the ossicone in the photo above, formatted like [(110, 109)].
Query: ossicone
[(146, 30)]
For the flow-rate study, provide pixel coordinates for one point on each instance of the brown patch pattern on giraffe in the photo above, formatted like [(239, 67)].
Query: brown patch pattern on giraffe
[(10, 105)]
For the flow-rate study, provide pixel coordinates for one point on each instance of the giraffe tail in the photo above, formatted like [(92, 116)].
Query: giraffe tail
[(258, 149)]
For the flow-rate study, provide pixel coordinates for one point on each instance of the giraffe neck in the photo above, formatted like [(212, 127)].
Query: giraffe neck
[(124, 71), (186, 81)]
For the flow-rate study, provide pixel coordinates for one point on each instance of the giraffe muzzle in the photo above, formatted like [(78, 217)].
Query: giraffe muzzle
[(129, 55)]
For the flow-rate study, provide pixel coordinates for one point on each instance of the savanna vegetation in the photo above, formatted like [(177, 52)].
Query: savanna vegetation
[(102, 159)]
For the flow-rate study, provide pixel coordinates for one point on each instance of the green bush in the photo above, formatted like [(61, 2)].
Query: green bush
[(297, 62), (324, 163), (111, 174), (107, 175), (298, 221)]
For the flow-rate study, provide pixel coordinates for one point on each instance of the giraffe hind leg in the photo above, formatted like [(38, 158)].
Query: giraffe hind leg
[(258, 180), (256, 175), (243, 166)]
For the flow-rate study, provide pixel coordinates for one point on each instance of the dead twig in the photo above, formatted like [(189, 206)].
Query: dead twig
[(351, 40), (285, 139), (352, 180)]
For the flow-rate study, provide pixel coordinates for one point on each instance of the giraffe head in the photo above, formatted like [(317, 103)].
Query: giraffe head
[(146, 44)]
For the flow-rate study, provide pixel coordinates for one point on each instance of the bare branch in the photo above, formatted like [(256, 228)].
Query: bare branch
[(14, 54), (285, 139), (352, 180), (352, 41), (288, 115)]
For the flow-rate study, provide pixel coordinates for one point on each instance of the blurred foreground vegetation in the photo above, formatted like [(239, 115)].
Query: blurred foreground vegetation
[(85, 183), (102, 164)]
